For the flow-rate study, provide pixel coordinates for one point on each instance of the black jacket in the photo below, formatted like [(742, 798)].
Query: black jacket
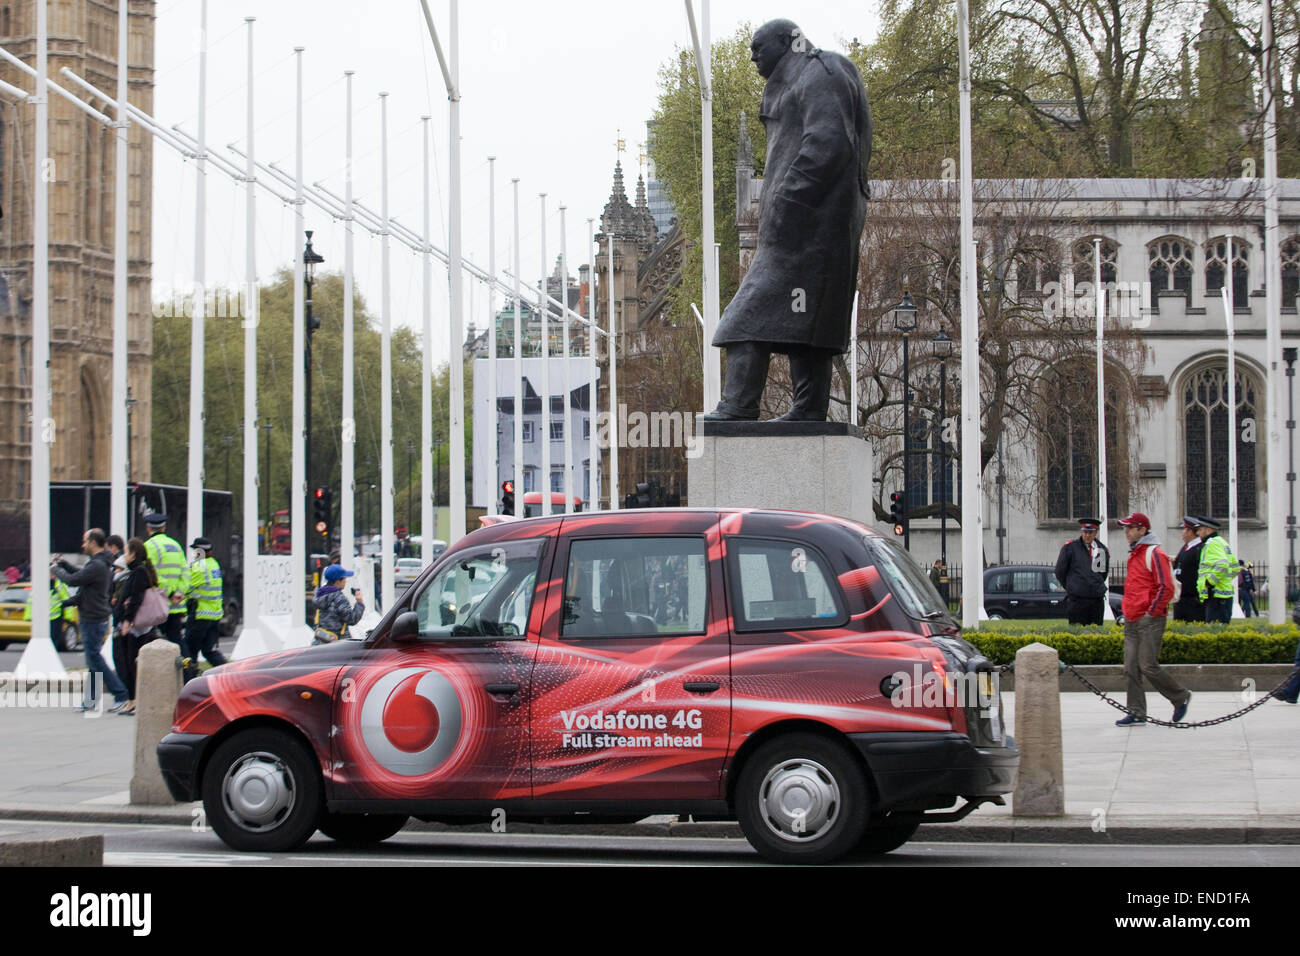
[(93, 579), (139, 579), (1187, 566), (1075, 571)]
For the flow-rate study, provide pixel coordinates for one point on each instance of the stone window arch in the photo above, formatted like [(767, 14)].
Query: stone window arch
[(1290, 272), (1169, 265), (1216, 259), (1083, 263), (1203, 395), (1038, 262), (1069, 441)]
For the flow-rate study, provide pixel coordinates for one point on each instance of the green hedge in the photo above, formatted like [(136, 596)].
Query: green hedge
[(1185, 643)]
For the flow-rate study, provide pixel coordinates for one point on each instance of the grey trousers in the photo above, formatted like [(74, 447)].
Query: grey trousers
[(1142, 640)]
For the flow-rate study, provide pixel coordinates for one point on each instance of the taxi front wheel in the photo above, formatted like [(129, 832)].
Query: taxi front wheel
[(262, 791), (802, 799)]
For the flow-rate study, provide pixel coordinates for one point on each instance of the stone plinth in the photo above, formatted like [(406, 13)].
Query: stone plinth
[(1040, 785), (798, 466)]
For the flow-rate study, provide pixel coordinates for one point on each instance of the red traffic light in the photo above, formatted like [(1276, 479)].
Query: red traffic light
[(320, 492), (508, 487)]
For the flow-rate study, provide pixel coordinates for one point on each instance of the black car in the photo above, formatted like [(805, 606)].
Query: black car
[(1031, 591)]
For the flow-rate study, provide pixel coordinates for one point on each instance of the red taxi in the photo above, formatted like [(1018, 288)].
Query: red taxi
[(762, 666)]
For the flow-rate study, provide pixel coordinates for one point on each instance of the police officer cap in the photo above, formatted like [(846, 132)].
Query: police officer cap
[(1191, 521), (1089, 524), (1207, 522), (155, 519), (201, 543)]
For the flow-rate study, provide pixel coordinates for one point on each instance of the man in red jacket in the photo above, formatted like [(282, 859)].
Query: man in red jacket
[(1148, 589)]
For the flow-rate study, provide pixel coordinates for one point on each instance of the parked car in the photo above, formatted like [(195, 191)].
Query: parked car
[(407, 570), (14, 625), (1031, 591), (763, 666)]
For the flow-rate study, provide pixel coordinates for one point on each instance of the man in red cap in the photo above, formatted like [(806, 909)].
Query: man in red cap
[(1148, 589), (1082, 567)]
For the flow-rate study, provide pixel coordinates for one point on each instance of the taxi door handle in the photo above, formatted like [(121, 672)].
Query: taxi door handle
[(701, 686), (501, 688)]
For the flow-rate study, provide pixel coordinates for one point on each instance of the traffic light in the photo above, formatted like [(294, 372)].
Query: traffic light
[(641, 497), (507, 497), (321, 500), (898, 512)]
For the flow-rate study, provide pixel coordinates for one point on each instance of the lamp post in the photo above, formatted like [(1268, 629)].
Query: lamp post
[(410, 447), (1289, 356), (905, 319), (943, 352), (130, 406), (310, 259)]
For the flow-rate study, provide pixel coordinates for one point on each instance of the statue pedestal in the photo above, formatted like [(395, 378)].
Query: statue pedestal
[(795, 466)]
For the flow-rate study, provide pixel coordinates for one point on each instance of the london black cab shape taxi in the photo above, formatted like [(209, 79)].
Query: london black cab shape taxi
[(792, 671)]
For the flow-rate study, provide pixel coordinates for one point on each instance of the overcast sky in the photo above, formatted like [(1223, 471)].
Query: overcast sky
[(545, 88)]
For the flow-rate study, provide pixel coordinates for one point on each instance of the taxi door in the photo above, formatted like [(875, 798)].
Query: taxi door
[(631, 690)]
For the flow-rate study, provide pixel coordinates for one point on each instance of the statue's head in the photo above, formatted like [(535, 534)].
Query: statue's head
[(771, 42)]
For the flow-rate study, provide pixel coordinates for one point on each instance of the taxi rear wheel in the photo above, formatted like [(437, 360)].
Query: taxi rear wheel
[(262, 791), (361, 828), (802, 799)]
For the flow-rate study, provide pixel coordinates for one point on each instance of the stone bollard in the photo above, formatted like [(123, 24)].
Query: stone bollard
[(1040, 786), (157, 686)]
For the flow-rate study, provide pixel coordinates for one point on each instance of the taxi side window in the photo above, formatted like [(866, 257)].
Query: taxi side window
[(634, 587), (485, 593), (781, 585)]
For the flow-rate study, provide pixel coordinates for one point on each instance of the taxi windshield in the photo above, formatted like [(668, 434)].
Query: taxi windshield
[(912, 588)]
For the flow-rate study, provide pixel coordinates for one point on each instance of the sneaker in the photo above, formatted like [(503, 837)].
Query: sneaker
[(1283, 698), (117, 707), (1180, 710), (1129, 720)]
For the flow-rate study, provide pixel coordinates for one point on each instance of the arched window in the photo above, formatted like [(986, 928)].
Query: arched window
[(1290, 272), (1205, 442), (1169, 263), (1083, 260), (1070, 444), (1038, 262), (1216, 259)]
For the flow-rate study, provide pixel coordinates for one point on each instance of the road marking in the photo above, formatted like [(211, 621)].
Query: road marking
[(129, 858)]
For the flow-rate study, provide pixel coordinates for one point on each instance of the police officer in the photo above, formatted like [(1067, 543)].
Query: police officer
[(204, 588), (1082, 568), (1187, 565), (1216, 579), (59, 595), (168, 559)]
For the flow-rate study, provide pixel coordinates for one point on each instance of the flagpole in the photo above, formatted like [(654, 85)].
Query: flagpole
[(387, 538), (118, 518), (568, 405), (545, 428), (518, 372), (250, 600), (347, 478), (298, 477), (1277, 562), (593, 449), (492, 411), (428, 507)]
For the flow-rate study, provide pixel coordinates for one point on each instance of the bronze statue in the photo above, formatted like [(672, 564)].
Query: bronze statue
[(797, 296)]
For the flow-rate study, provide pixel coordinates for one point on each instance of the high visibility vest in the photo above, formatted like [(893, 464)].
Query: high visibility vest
[(205, 588), (58, 594), (168, 559), (1218, 570)]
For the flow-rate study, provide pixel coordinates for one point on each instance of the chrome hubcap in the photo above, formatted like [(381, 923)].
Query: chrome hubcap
[(258, 792), (799, 800)]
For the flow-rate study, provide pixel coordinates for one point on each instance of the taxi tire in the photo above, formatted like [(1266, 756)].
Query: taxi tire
[(302, 772), (851, 813), (361, 829), (885, 838)]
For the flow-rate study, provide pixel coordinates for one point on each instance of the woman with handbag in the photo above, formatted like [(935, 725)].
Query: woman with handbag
[(137, 598)]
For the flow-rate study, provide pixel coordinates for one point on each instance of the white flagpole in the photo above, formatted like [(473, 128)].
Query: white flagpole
[(456, 276), (593, 449), (568, 385), (250, 602), (518, 373), (972, 534), (347, 483), (118, 518), (1103, 499), (40, 656), (545, 427), (614, 437), (853, 364), (704, 69), (1277, 561), (389, 541), (1230, 320), (298, 477), (493, 409), (428, 518)]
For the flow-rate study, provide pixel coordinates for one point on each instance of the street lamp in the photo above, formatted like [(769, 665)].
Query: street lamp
[(310, 259), (130, 406), (905, 320), (943, 351)]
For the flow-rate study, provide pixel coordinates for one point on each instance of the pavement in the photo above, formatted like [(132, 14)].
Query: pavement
[(1233, 783)]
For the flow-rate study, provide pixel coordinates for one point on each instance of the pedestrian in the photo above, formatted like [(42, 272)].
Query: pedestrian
[(123, 660), (11, 574), (333, 610), (1290, 691), (1148, 587), (93, 579), (115, 546), (204, 588), (1246, 588), (1188, 606), (168, 560), (1217, 572), (141, 576), (1083, 567)]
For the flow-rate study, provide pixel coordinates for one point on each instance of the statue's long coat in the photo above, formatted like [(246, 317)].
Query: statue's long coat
[(799, 287)]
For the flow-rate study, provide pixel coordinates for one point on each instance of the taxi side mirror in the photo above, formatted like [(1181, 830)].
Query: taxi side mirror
[(407, 627)]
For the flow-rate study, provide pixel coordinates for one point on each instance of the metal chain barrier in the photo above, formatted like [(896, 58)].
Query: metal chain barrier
[(1181, 724)]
